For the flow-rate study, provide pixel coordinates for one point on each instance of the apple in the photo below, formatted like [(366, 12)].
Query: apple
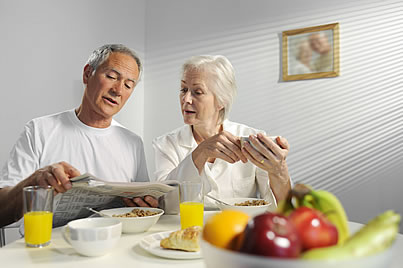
[(314, 229), (272, 235)]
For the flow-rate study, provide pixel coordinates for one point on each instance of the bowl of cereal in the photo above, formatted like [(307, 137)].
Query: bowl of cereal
[(251, 206), (134, 219)]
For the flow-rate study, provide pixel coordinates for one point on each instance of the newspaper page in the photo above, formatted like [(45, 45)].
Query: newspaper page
[(89, 191)]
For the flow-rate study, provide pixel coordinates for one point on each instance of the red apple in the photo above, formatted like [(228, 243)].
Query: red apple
[(314, 229), (271, 235)]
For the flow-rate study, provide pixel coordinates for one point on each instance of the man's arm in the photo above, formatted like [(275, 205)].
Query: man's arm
[(56, 175)]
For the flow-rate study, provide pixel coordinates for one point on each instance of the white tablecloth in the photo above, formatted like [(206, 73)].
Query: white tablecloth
[(128, 254)]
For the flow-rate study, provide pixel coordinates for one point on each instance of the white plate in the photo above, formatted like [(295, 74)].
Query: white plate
[(151, 243)]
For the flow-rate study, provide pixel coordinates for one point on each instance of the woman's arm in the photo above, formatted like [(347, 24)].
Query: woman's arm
[(170, 165)]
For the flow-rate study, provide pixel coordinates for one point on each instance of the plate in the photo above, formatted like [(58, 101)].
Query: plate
[(151, 243)]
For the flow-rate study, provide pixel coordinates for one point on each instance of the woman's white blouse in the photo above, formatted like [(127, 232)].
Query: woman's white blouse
[(173, 160)]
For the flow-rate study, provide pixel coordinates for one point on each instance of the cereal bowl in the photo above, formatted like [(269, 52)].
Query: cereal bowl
[(135, 224), (218, 257), (250, 210)]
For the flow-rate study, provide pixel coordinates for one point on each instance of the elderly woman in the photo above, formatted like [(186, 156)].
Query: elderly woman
[(208, 147)]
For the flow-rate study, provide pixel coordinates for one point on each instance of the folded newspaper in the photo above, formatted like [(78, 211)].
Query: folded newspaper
[(90, 191)]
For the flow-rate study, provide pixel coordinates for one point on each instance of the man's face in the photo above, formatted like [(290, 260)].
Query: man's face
[(318, 43), (108, 89)]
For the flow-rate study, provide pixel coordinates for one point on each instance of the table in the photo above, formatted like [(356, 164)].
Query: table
[(127, 254)]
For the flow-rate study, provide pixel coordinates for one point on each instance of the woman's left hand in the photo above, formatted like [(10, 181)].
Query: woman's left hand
[(270, 155)]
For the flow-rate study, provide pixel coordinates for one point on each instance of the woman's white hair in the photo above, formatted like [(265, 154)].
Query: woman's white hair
[(100, 55), (221, 79)]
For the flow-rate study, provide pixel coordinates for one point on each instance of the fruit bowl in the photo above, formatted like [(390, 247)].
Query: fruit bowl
[(250, 210), (218, 257), (134, 224)]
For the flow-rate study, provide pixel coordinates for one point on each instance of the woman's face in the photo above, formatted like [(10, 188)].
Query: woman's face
[(305, 53), (198, 103)]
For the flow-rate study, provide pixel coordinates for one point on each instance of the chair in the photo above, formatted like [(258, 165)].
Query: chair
[(2, 237), (10, 226)]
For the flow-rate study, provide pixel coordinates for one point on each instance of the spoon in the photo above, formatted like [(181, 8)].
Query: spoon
[(97, 212), (218, 200)]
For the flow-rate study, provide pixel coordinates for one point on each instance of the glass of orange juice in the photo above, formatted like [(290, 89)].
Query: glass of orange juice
[(191, 205), (38, 215)]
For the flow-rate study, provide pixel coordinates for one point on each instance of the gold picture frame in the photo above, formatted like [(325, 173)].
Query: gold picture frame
[(311, 52)]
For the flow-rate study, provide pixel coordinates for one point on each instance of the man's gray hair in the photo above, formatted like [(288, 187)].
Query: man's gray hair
[(100, 55), (222, 79)]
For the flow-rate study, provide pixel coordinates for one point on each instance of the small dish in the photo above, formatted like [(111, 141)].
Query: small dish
[(93, 236), (250, 210), (151, 244)]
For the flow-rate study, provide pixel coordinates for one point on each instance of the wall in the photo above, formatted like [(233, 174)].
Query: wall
[(345, 132), (45, 45)]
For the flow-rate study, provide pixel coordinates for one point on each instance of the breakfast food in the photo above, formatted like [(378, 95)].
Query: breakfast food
[(136, 213), (223, 229), (250, 203), (309, 224), (186, 239)]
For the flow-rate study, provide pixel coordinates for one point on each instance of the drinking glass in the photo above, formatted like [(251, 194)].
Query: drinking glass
[(38, 215), (191, 205)]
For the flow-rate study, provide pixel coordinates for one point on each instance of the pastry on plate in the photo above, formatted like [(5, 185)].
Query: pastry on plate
[(186, 239)]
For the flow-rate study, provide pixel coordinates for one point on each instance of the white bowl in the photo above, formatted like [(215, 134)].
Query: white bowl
[(250, 210), (93, 236), (216, 257), (134, 224)]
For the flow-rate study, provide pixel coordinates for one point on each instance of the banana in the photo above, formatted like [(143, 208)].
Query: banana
[(330, 205), (374, 237)]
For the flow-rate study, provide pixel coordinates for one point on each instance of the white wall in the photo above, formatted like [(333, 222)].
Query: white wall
[(45, 45), (345, 132)]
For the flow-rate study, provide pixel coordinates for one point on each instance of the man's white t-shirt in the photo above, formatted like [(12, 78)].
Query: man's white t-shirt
[(112, 154)]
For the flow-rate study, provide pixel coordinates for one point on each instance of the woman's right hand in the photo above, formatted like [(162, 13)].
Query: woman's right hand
[(223, 145)]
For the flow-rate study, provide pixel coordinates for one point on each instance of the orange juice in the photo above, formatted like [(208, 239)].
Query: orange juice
[(191, 214), (38, 227)]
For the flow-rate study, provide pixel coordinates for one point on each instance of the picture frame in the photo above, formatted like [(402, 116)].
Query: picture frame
[(311, 52)]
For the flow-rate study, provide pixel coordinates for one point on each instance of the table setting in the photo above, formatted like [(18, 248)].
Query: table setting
[(114, 237)]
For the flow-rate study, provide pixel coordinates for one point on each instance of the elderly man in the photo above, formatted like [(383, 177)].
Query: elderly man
[(320, 44), (54, 148)]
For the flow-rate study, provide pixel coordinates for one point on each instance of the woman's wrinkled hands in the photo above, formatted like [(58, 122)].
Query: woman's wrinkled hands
[(223, 145), (270, 155)]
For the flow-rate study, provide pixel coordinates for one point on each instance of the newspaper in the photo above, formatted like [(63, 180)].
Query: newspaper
[(89, 191)]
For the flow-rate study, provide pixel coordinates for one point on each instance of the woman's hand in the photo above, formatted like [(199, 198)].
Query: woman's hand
[(224, 145), (271, 156)]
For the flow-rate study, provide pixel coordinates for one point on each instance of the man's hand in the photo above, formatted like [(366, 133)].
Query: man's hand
[(147, 201), (57, 175)]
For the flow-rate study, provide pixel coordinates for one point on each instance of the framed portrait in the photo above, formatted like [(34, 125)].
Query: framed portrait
[(311, 52)]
